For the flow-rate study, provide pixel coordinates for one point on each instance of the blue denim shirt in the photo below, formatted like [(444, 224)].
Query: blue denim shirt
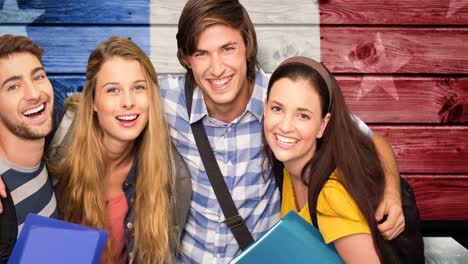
[(129, 189), (183, 196)]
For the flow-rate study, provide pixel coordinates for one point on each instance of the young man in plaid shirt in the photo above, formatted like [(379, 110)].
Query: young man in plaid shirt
[(217, 46)]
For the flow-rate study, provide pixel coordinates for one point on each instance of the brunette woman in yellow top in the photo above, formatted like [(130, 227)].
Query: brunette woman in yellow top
[(311, 135)]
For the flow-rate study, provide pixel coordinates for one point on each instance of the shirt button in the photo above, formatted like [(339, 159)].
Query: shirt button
[(129, 226)]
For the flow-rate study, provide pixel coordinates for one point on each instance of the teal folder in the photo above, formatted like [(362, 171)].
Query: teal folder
[(47, 240), (291, 240)]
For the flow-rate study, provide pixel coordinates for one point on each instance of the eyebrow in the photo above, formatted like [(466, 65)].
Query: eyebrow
[(230, 43), (19, 77), (304, 110), (12, 78), (276, 102), (301, 109), (37, 69), (109, 83), (117, 83)]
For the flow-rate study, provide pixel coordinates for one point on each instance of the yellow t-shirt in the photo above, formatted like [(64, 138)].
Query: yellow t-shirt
[(337, 213)]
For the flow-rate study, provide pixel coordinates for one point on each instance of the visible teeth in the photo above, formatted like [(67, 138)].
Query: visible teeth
[(34, 110), (286, 140), (127, 118), (221, 82)]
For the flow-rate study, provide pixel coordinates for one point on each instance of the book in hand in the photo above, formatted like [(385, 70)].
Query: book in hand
[(291, 240), (47, 240)]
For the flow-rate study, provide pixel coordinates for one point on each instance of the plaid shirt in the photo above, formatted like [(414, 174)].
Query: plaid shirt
[(237, 147), (238, 150)]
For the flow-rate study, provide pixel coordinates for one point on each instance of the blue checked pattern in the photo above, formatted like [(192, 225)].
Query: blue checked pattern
[(237, 148)]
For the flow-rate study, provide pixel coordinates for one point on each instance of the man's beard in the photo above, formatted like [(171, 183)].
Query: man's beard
[(22, 130)]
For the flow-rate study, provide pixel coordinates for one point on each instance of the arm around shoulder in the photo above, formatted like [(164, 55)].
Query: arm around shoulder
[(391, 204)]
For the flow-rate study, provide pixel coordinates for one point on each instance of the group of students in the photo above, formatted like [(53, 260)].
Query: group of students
[(130, 163)]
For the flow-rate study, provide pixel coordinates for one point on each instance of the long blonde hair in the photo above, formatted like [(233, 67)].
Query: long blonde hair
[(82, 172)]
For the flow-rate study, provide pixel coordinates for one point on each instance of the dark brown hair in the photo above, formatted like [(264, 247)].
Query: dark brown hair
[(197, 15), (10, 44), (342, 146)]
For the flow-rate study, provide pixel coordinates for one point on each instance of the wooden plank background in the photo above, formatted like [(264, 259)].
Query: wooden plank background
[(402, 66)]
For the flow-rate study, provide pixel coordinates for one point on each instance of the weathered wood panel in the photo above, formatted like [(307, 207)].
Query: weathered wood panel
[(400, 99), (408, 12), (165, 12), (441, 197), (362, 50), (395, 50), (260, 11), (77, 12), (426, 149), (274, 45), (68, 48), (64, 86)]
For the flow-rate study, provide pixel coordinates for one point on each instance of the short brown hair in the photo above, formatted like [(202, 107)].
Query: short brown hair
[(10, 44), (200, 14)]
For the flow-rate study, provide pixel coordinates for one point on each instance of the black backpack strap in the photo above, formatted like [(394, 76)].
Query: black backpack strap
[(233, 220)]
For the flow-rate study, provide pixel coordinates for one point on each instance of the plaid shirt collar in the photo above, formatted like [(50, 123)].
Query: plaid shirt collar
[(254, 106)]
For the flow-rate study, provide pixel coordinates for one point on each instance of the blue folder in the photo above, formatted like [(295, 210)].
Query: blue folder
[(291, 240), (47, 240)]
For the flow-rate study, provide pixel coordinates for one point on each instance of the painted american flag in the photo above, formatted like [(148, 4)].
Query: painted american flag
[(402, 66)]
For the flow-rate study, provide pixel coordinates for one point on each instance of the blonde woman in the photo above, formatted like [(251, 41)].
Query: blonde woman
[(118, 173)]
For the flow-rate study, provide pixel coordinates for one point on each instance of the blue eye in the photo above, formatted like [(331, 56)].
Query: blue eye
[(12, 87), (39, 77)]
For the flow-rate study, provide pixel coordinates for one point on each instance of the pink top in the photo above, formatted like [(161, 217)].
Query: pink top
[(117, 208)]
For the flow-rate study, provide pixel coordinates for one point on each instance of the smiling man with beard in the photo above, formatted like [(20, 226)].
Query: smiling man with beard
[(26, 106)]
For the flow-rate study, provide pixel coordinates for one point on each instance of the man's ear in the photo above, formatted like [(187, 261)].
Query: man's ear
[(324, 124)]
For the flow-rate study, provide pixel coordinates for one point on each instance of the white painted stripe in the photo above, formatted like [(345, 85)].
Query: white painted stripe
[(167, 12), (278, 39), (29, 188)]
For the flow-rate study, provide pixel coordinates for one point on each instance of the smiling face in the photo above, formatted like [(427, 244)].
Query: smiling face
[(121, 99), (293, 122), (219, 66), (26, 97)]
